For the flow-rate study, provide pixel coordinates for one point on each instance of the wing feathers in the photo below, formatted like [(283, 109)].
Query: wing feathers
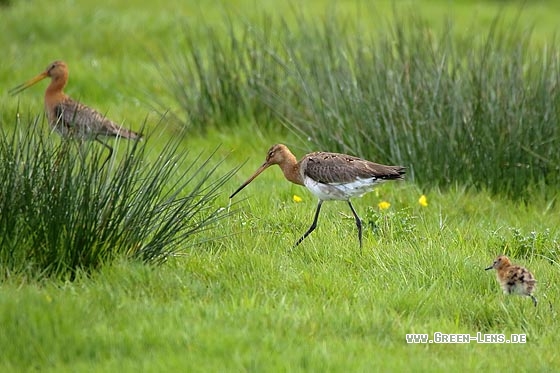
[(330, 168), (75, 119)]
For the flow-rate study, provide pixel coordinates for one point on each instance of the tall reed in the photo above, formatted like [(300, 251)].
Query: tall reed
[(61, 213), (470, 110)]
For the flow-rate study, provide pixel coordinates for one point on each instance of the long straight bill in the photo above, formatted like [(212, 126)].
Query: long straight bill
[(29, 83), (257, 173)]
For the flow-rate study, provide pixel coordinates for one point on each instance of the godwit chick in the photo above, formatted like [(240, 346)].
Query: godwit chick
[(514, 279), (329, 176), (70, 118)]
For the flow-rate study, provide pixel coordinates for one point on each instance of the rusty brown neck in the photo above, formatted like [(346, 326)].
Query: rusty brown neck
[(290, 168), (54, 93), (57, 84)]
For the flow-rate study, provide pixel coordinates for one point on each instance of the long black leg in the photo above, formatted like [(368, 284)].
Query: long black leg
[(108, 147), (534, 300), (358, 223), (313, 225)]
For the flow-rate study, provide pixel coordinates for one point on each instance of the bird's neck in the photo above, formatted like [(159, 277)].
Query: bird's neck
[(54, 93), (56, 86), (290, 168)]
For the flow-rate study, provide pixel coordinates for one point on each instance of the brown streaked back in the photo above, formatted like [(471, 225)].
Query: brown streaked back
[(75, 119), (332, 168)]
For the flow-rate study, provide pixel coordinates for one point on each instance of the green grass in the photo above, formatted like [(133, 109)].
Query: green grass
[(68, 208), (242, 299), (465, 106), (254, 304)]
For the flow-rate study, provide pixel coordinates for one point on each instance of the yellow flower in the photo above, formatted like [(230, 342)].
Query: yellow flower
[(423, 200), (383, 205), (297, 198)]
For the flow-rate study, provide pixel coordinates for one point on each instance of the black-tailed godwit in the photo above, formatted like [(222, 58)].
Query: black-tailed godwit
[(329, 176), (514, 279), (69, 117)]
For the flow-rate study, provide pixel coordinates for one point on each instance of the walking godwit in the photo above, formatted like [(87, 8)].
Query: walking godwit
[(514, 279), (329, 176), (70, 118)]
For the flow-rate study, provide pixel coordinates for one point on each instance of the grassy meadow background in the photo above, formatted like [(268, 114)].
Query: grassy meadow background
[(146, 264)]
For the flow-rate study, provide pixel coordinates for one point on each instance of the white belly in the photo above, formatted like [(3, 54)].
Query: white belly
[(341, 191)]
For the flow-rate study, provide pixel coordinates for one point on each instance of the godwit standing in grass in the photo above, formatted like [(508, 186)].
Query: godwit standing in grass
[(514, 279), (69, 117), (329, 176)]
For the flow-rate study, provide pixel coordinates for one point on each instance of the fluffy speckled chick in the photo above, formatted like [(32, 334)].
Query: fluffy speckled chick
[(514, 279)]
